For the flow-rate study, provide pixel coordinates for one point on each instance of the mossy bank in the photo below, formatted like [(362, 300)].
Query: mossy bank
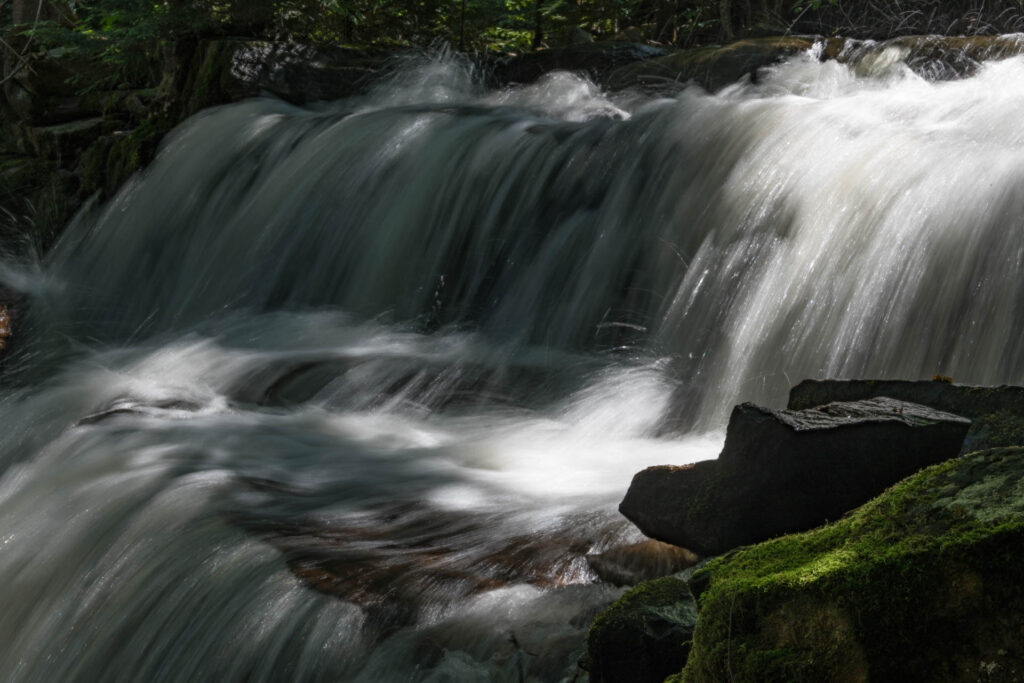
[(920, 584)]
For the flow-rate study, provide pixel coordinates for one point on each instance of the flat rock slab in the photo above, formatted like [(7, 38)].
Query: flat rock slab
[(783, 471), (962, 399), (997, 413)]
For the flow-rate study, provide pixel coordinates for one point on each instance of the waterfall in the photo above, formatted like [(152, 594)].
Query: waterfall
[(350, 391)]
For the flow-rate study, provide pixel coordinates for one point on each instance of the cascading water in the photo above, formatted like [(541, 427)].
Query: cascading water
[(349, 392)]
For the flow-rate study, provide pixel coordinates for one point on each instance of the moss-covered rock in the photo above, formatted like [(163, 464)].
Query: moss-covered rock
[(644, 635), (113, 159), (220, 70), (920, 584), (995, 430)]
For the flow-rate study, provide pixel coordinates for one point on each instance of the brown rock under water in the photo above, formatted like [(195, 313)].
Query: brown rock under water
[(398, 560), (631, 564)]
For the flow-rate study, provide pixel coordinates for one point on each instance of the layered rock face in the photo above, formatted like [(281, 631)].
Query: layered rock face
[(783, 471), (997, 413)]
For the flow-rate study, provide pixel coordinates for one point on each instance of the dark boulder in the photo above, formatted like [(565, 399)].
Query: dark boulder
[(51, 87), (783, 471), (997, 413), (962, 399)]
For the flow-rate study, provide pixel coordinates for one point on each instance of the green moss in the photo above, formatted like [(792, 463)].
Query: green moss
[(996, 430), (113, 159), (643, 636), (919, 584), (210, 68)]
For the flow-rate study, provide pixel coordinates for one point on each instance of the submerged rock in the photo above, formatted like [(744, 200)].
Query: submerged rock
[(783, 471), (920, 584), (627, 565), (644, 636), (401, 561)]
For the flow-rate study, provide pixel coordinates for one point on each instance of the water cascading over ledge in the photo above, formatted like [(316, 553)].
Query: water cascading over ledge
[(815, 225), (406, 350)]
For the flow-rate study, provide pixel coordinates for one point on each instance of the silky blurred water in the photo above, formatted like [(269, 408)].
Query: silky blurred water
[(349, 392)]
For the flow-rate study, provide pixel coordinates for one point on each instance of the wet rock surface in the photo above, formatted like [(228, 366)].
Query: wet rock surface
[(932, 56), (716, 66), (787, 471), (400, 561), (710, 67), (631, 564), (967, 400), (997, 413)]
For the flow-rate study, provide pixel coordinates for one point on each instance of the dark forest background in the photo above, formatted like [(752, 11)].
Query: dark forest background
[(123, 32)]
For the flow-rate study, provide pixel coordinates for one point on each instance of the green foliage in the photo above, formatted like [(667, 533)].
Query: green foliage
[(122, 33), (995, 430), (123, 36)]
